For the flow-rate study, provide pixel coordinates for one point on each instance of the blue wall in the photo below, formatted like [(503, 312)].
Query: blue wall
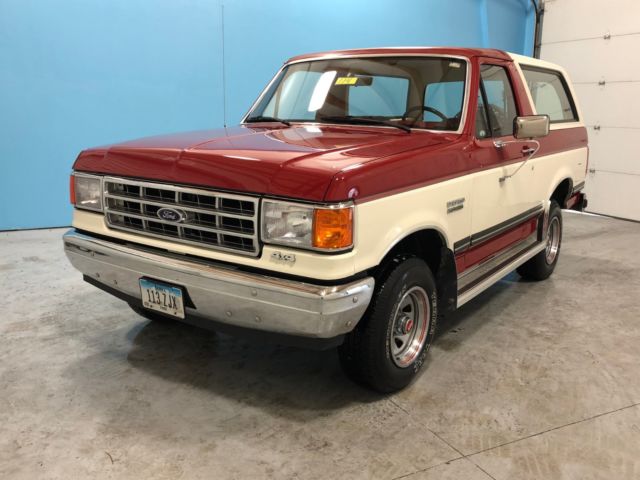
[(80, 73)]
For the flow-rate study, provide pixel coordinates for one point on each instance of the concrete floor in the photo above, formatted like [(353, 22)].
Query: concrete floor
[(530, 380)]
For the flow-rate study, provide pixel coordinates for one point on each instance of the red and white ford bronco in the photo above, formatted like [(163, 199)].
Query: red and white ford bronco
[(365, 194)]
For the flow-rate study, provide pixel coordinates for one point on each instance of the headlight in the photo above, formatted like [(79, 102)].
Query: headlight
[(86, 191), (328, 228)]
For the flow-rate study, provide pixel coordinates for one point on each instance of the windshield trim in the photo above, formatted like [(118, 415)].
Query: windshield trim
[(465, 100)]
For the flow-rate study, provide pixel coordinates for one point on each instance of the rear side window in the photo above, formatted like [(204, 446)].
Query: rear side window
[(550, 94), (498, 104)]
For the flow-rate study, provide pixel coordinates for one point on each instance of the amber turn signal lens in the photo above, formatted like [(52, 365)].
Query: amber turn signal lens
[(72, 190), (333, 228)]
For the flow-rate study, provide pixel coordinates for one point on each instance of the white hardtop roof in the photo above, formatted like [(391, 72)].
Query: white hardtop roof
[(534, 62)]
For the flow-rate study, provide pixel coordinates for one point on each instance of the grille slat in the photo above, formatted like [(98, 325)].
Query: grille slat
[(214, 220), (183, 206), (185, 224)]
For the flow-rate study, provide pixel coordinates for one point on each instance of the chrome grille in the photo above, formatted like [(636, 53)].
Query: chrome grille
[(213, 220)]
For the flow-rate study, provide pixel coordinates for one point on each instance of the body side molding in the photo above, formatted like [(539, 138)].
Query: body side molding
[(487, 234)]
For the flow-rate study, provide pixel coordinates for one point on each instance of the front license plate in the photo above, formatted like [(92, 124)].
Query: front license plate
[(162, 298)]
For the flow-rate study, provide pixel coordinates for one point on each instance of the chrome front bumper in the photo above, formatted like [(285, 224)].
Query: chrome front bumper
[(225, 294)]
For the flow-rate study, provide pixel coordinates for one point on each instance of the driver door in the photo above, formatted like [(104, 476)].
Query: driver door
[(501, 203)]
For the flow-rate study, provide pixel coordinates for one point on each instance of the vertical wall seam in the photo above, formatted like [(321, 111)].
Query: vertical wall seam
[(224, 72)]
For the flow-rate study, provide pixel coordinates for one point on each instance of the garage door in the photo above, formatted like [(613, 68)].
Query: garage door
[(598, 43)]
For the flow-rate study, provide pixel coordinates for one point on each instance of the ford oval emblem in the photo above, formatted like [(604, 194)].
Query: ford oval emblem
[(170, 215)]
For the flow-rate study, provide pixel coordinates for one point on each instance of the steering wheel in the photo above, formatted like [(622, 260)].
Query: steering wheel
[(423, 108)]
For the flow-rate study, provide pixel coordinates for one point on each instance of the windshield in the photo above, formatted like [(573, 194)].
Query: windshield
[(417, 92)]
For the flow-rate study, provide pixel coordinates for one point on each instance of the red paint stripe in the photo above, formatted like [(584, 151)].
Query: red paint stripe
[(476, 254)]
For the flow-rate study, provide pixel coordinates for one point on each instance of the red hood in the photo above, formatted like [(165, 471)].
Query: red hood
[(298, 161)]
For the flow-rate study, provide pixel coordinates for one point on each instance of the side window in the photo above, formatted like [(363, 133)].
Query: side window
[(498, 100), (384, 97), (550, 95)]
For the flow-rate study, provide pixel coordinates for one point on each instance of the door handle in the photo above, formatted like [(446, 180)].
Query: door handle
[(528, 152)]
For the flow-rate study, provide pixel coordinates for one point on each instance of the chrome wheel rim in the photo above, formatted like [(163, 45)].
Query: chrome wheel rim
[(409, 327), (553, 241)]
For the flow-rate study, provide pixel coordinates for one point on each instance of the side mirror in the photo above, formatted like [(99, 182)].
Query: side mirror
[(531, 126)]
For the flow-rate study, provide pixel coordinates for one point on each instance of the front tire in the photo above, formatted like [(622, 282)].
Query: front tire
[(544, 263), (387, 349)]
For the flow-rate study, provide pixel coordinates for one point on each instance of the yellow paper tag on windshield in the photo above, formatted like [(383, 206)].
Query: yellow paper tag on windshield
[(346, 80)]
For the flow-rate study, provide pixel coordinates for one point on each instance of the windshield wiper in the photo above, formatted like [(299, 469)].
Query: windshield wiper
[(363, 121), (262, 118)]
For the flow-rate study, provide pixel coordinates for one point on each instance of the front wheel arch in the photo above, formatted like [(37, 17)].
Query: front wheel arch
[(429, 245)]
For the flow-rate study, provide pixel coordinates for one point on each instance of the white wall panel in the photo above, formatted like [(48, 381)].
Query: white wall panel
[(614, 194), (606, 77), (613, 57), (578, 19), (614, 105), (614, 150)]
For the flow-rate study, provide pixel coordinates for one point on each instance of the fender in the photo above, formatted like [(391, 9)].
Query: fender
[(417, 229)]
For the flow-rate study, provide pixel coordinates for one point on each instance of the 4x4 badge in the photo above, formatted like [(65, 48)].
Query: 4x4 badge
[(287, 257)]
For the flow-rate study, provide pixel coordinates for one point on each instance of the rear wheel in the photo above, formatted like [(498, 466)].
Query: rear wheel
[(388, 347), (544, 263)]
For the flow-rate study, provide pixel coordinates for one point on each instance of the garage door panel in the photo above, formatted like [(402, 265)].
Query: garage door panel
[(573, 34), (597, 59), (613, 194), (574, 19), (614, 149), (613, 105)]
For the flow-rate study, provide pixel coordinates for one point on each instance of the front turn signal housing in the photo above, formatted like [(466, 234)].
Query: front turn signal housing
[(333, 228)]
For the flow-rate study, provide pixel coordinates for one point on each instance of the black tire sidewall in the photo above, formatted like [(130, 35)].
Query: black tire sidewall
[(554, 212), (410, 273), (537, 268), (541, 269)]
